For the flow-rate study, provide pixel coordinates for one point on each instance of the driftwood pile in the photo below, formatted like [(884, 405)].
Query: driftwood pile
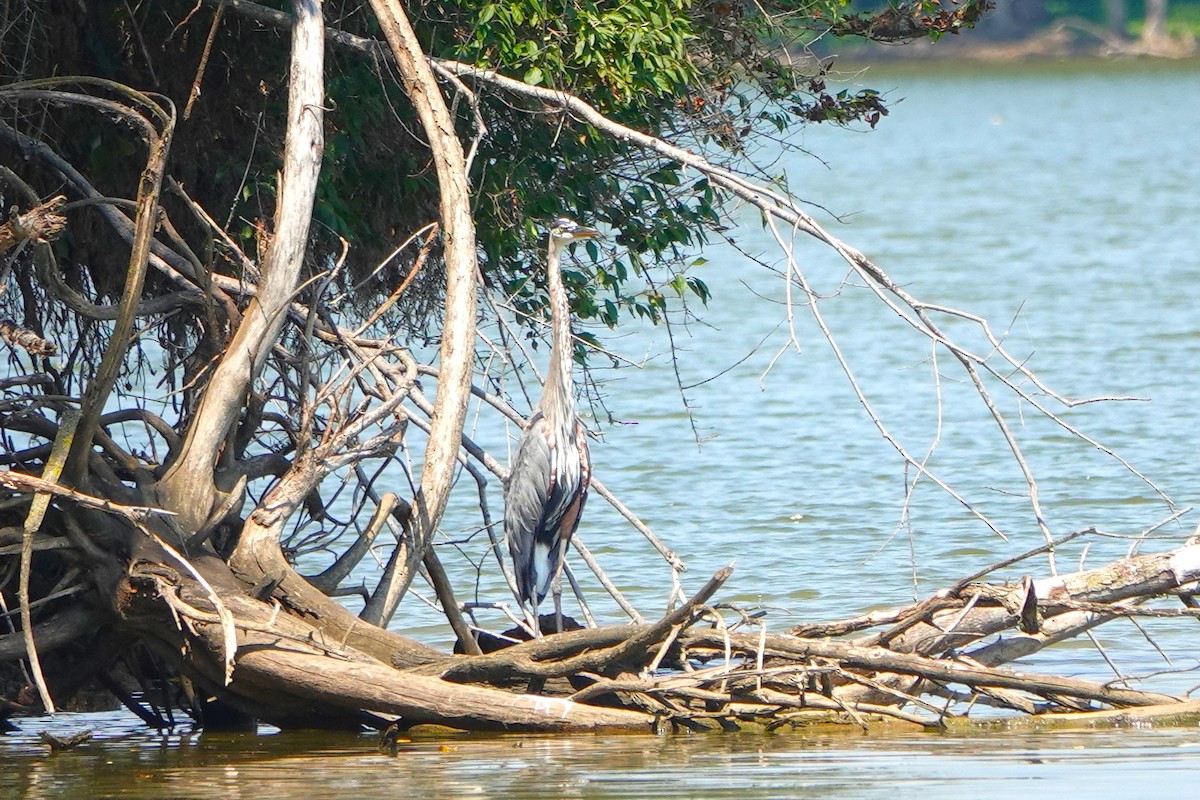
[(160, 562), (281, 658), (927, 664)]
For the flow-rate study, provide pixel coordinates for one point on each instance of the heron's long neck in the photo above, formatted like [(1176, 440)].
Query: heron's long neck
[(558, 395)]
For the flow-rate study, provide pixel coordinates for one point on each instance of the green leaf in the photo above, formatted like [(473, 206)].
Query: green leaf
[(533, 76)]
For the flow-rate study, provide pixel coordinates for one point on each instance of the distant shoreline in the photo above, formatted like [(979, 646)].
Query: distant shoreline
[(1068, 39)]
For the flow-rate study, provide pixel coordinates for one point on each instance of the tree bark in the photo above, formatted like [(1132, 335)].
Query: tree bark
[(288, 673), (41, 222), (149, 187), (257, 559), (457, 354), (188, 488)]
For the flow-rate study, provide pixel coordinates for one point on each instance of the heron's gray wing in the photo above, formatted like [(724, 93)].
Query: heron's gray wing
[(545, 495), (525, 496)]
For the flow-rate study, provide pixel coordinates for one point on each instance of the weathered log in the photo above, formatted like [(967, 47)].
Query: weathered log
[(1019, 645), (877, 659), (953, 622), (259, 558), (590, 650), (40, 223), (188, 486), (289, 673), (457, 349), (421, 699)]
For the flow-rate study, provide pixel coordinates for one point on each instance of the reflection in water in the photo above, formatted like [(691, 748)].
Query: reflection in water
[(311, 766)]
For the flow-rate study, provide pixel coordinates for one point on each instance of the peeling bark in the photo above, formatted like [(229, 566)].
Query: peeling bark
[(457, 355), (41, 223), (188, 486)]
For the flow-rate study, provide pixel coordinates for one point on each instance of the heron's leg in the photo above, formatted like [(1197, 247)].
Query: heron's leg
[(533, 619), (556, 589)]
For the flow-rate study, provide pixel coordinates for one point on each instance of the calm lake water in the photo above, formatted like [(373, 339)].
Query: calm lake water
[(1059, 202)]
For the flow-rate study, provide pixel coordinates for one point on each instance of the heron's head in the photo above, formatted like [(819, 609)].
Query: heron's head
[(566, 230)]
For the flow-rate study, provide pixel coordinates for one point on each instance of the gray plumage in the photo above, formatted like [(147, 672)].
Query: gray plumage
[(548, 481)]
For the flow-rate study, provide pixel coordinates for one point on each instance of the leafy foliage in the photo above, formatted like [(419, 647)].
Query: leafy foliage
[(709, 73), (622, 54)]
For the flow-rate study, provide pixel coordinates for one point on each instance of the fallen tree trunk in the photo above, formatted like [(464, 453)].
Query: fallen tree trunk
[(287, 672)]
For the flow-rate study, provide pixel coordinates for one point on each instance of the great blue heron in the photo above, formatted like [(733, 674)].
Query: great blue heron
[(548, 482)]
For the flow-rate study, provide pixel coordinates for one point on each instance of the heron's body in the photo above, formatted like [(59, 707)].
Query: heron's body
[(547, 485), (542, 513)]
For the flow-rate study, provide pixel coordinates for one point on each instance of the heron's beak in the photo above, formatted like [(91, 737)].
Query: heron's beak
[(586, 233)]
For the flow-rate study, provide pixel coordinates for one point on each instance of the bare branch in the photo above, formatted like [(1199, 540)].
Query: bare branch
[(43, 222), (188, 482), (458, 231)]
